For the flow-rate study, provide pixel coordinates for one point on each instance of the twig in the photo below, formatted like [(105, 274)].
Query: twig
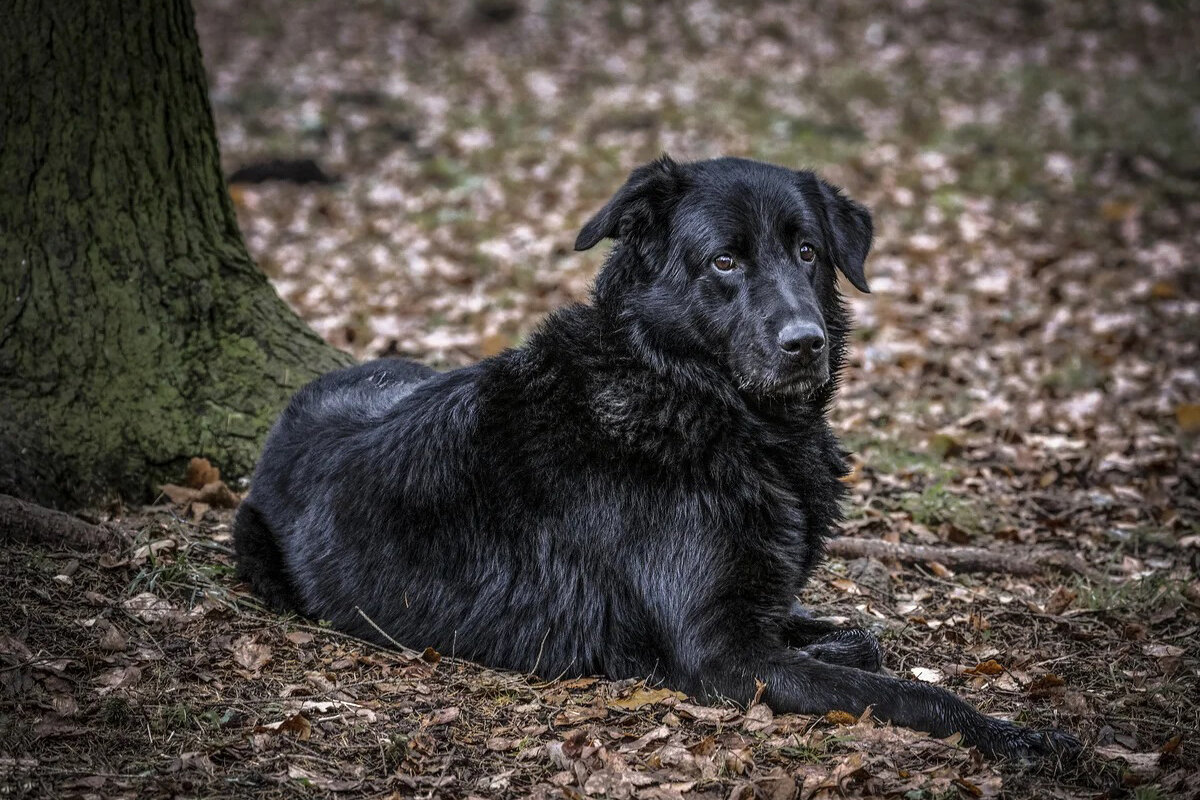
[(964, 559), (384, 633)]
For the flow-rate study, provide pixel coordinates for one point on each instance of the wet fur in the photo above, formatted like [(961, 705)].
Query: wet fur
[(640, 491)]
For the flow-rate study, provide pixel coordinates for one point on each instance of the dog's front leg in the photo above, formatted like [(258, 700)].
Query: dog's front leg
[(799, 683)]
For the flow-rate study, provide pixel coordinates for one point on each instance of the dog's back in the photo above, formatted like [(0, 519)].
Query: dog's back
[(336, 401)]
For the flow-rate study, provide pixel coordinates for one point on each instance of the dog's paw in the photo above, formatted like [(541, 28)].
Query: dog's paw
[(851, 647), (1009, 742)]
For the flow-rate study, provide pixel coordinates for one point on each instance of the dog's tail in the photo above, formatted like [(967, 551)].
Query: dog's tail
[(260, 560)]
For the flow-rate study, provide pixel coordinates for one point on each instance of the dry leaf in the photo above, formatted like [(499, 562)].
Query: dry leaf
[(148, 607), (443, 716), (249, 654), (990, 667), (179, 495), (201, 472), (928, 674), (118, 678), (645, 697), (299, 637), (1188, 416)]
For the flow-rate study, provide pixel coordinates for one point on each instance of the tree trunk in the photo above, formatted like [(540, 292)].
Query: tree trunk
[(135, 330)]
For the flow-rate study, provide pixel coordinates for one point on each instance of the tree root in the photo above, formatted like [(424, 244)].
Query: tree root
[(963, 559), (22, 522)]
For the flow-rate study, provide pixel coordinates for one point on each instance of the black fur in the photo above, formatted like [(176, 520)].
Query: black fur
[(641, 490)]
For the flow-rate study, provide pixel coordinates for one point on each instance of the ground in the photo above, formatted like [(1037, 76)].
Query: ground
[(1023, 378)]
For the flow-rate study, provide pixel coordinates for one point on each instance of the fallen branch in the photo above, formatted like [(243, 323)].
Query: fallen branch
[(28, 523), (963, 559)]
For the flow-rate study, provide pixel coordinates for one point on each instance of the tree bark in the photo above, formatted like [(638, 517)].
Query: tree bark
[(135, 330)]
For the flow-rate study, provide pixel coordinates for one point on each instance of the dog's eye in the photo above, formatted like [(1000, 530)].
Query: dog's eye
[(807, 253), (724, 263)]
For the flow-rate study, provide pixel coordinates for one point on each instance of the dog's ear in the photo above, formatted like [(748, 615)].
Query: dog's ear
[(633, 207), (850, 231)]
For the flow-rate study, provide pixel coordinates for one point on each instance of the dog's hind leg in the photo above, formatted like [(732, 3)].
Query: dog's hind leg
[(260, 561), (833, 644)]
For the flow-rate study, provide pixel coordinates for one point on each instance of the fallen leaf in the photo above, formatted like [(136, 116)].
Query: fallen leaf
[(118, 678), (179, 495), (708, 714), (655, 735), (1060, 601), (1046, 685), (297, 725), (758, 717), (928, 674), (149, 607), (1162, 650), (113, 639), (1188, 416), (250, 654), (443, 716), (1144, 765), (840, 718), (200, 472), (299, 637), (574, 715), (989, 667), (645, 697), (218, 494)]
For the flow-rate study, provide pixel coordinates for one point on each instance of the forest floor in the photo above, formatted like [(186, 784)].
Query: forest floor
[(1024, 378)]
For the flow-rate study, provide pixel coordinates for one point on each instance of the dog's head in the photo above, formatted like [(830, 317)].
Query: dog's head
[(732, 262)]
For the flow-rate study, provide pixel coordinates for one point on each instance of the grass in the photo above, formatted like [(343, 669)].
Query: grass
[(1136, 596), (936, 505)]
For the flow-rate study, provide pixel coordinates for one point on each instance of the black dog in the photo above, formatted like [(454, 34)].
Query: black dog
[(641, 490)]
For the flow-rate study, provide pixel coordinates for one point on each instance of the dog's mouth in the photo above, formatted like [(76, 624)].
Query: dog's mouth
[(797, 384)]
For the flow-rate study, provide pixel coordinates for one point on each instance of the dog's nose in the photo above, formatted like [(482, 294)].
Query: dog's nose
[(801, 339)]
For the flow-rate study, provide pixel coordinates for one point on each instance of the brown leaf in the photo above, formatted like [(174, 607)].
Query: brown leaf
[(1143, 765), (645, 697), (758, 717), (219, 495), (713, 716), (989, 667), (118, 678), (575, 715), (297, 725), (201, 472), (149, 607), (179, 495), (113, 639), (1188, 415), (840, 718), (655, 735), (250, 654), (443, 716), (299, 637), (1060, 601), (1046, 685)]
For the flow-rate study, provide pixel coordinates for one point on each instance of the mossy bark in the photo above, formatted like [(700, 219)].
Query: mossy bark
[(135, 330)]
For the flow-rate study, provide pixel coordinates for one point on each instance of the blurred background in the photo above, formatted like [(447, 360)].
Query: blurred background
[(1026, 364)]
